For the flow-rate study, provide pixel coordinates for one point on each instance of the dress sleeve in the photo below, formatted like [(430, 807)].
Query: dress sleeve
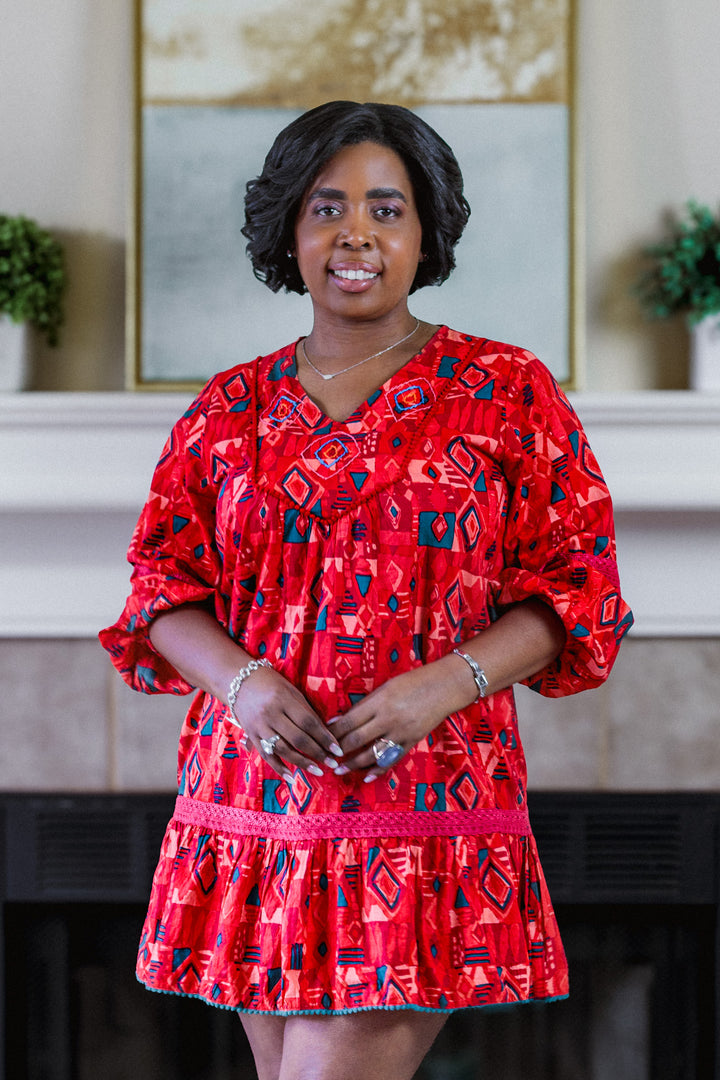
[(173, 554), (559, 541)]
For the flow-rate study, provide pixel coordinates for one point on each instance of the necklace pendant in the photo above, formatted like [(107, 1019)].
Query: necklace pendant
[(327, 378)]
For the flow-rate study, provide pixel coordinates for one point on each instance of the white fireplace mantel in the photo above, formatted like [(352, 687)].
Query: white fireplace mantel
[(75, 469)]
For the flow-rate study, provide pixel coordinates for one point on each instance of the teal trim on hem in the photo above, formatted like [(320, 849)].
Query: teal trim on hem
[(491, 1006)]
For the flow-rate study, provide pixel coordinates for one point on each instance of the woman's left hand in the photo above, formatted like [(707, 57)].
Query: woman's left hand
[(404, 710)]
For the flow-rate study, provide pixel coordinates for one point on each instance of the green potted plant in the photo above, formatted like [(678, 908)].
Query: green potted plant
[(684, 278), (32, 285)]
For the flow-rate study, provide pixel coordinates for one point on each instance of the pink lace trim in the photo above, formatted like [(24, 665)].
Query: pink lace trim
[(604, 565), (382, 823)]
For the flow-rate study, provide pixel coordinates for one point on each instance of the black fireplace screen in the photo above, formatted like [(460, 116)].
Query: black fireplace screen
[(635, 884)]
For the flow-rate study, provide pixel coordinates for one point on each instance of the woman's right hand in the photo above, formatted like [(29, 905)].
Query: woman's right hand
[(267, 705)]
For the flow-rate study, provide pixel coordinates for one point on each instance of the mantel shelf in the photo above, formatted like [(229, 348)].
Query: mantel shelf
[(658, 450), (76, 469)]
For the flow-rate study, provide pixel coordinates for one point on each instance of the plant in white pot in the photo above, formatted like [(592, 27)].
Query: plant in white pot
[(32, 287), (684, 278)]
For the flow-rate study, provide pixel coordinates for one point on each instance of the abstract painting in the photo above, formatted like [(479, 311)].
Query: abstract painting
[(216, 81)]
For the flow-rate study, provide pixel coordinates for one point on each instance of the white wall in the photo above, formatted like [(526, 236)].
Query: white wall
[(650, 83), (65, 118), (650, 86)]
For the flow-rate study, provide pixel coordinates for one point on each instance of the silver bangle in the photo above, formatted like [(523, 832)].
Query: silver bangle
[(481, 679), (234, 688)]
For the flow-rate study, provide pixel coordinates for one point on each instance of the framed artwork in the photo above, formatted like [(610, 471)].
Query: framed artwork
[(217, 80)]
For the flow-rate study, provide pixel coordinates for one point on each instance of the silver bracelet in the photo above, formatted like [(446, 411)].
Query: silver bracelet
[(234, 688), (481, 679)]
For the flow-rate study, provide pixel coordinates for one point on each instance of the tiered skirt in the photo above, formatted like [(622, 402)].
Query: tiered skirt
[(335, 924)]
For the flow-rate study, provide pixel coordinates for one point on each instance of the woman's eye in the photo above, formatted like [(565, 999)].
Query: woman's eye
[(326, 210), (387, 211)]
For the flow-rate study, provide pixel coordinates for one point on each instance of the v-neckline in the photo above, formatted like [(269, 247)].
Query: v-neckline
[(357, 415)]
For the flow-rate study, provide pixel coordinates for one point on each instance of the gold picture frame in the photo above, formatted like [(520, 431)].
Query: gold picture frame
[(496, 80)]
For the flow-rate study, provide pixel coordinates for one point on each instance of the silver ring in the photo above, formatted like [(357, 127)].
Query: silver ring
[(268, 745), (387, 752)]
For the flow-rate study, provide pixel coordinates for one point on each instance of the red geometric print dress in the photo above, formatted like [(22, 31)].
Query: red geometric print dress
[(346, 553)]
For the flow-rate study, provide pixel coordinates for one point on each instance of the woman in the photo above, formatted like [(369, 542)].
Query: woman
[(353, 548)]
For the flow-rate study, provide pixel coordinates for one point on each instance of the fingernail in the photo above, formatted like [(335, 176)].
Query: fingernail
[(289, 777), (334, 720), (341, 770), (370, 777), (315, 770), (331, 763), (335, 749)]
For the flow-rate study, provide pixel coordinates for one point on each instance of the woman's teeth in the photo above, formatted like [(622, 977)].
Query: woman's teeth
[(354, 275)]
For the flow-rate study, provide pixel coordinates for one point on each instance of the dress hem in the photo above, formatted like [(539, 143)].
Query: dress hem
[(491, 1005)]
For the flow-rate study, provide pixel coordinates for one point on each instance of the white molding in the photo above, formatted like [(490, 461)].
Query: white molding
[(75, 470), (659, 450)]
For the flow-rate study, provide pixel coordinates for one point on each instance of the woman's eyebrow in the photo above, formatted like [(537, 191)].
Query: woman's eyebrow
[(385, 193), (326, 193), (374, 193)]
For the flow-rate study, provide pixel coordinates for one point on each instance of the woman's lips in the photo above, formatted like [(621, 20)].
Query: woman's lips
[(354, 278)]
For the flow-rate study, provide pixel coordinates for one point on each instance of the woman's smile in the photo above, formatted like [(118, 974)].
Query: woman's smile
[(354, 277)]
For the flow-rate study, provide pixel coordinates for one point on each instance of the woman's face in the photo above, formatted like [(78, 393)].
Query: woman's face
[(358, 235)]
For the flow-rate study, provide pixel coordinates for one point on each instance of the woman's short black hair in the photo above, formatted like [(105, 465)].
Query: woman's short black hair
[(273, 199)]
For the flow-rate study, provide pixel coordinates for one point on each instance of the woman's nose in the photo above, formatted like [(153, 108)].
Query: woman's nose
[(355, 242), (356, 233)]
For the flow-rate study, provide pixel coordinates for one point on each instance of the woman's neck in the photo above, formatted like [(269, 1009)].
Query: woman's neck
[(335, 344)]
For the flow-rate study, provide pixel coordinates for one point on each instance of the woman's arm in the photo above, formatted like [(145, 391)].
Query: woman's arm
[(192, 640), (523, 641), (408, 707)]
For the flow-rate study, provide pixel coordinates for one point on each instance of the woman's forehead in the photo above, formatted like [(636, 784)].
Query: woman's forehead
[(380, 167)]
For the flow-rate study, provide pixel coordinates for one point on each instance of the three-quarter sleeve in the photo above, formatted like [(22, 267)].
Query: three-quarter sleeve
[(559, 540), (173, 554)]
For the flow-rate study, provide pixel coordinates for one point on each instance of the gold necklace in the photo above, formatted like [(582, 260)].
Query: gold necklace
[(335, 374)]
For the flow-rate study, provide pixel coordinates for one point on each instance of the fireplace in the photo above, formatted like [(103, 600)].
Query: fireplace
[(635, 883)]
